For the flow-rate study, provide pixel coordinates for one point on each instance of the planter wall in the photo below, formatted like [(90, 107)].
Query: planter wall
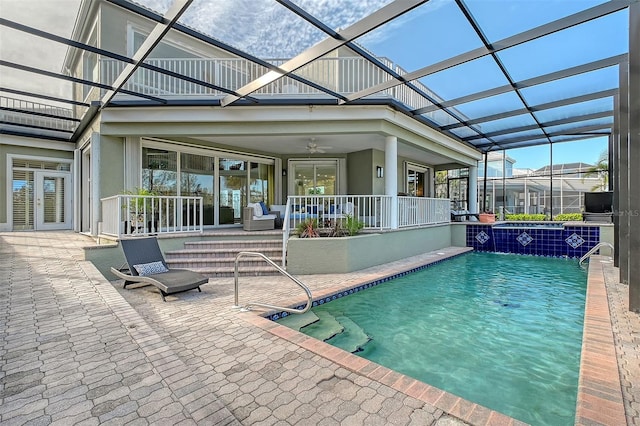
[(347, 254)]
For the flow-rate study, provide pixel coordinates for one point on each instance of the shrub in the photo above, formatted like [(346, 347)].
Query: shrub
[(308, 229), (568, 217), (525, 217), (352, 225)]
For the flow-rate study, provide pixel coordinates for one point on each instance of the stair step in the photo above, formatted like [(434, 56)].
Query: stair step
[(352, 339), (298, 321), (218, 272), (232, 244), (220, 252), (324, 329)]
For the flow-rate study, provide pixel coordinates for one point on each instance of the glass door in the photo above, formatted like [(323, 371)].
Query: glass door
[(233, 190), (52, 200), (416, 181)]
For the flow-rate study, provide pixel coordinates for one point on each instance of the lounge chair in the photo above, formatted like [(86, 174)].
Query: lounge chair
[(147, 265)]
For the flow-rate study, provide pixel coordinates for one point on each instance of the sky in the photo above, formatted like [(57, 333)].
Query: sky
[(271, 31)]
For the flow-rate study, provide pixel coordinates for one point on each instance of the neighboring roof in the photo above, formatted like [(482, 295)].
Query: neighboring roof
[(567, 166), (538, 86)]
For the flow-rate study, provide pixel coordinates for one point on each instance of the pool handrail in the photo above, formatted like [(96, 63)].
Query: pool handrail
[(594, 249), (249, 305)]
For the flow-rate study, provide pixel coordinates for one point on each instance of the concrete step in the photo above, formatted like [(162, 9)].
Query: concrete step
[(221, 272), (190, 263), (239, 244), (324, 329), (217, 258), (222, 252), (352, 339)]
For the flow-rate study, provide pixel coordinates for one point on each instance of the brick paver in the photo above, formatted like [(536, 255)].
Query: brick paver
[(75, 348)]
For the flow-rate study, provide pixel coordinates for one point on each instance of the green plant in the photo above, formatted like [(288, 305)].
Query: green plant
[(525, 216), (337, 230), (568, 217), (351, 224), (139, 203), (308, 229)]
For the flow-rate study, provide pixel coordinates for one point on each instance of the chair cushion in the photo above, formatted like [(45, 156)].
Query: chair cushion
[(150, 268), (265, 210), (257, 209)]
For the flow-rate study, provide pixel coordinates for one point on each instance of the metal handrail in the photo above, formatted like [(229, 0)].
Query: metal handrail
[(248, 306), (594, 249)]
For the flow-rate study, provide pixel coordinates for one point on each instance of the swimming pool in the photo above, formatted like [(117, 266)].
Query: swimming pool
[(504, 331)]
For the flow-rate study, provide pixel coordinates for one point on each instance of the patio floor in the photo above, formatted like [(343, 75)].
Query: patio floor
[(77, 349)]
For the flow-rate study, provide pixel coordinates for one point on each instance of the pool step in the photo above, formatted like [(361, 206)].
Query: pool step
[(352, 339), (298, 321), (324, 329)]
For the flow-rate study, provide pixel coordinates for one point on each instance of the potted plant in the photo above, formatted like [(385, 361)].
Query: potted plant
[(487, 217)]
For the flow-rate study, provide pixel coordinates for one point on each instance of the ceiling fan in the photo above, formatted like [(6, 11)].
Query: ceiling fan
[(314, 148)]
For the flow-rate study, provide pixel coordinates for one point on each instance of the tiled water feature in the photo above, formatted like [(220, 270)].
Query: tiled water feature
[(536, 238)]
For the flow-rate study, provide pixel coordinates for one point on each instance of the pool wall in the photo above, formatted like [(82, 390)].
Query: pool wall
[(573, 240)]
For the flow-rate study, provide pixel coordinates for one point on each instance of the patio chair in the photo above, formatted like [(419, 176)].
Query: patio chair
[(147, 265)]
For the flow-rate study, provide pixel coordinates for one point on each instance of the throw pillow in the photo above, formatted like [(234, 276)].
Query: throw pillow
[(150, 268), (257, 210), (265, 210)]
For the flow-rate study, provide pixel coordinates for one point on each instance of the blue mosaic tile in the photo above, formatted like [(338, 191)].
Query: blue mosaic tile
[(524, 239), (575, 240), (482, 237)]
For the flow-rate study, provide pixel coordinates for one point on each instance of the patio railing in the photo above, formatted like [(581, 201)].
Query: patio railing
[(374, 211), (151, 215)]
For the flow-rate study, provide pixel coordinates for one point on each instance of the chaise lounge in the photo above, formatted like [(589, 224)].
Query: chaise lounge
[(146, 264)]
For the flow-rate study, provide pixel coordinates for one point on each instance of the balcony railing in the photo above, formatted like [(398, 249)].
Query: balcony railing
[(39, 115), (343, 75), (151, 215)]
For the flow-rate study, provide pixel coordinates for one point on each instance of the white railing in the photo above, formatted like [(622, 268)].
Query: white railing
[(374, 211), (416, 211), (344, 75), (151, 214), (35, 119), (326, 210)]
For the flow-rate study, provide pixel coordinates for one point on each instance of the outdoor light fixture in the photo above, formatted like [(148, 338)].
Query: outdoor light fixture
[(379, 172)]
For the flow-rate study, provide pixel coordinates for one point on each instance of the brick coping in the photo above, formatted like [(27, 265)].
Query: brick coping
[(599, 389), (599, 399)]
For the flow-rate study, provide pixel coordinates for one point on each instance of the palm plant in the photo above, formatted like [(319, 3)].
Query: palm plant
[(601, 171)]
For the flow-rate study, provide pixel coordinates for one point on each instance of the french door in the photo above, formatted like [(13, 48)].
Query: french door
[(52, 198)]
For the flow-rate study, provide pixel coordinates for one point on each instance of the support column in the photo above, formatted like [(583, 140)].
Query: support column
[(634, 155), (472, 203), (391, 176), (96, 205), (623, 172)]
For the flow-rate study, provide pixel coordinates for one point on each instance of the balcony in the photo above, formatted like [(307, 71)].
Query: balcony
[(344, 75)]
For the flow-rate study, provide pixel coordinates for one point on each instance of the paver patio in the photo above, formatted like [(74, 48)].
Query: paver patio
[(77, 349)]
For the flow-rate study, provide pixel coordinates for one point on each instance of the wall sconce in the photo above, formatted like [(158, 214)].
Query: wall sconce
[(284, 172), (379, 172)]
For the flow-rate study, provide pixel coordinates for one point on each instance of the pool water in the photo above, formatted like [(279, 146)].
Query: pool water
[(503, 331)]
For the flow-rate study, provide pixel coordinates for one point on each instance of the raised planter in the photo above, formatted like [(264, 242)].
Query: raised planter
[(487, 217)]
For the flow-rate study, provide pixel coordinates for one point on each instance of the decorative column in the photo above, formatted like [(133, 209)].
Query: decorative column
[(391, 176), (472, 203)]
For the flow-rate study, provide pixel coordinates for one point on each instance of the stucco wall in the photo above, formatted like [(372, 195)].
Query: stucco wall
[(347, 254)]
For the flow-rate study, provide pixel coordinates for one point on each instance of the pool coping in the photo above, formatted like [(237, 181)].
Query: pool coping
[(599, 399)]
